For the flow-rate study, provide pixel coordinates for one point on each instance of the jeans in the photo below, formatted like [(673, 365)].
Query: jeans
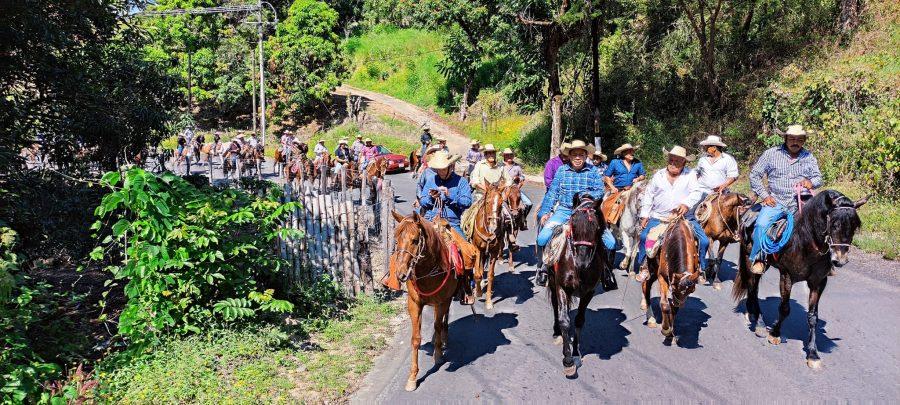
[(766, 218), (560, 217), (526, 202), (702, 241)]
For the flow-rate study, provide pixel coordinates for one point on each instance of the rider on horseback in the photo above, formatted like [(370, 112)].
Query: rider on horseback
[(576, 177), (444, 185), (425, 138), (473, 156), (514, 172), (487, 170), (342, 156), (788, 167), (367, 154), (673, 189)]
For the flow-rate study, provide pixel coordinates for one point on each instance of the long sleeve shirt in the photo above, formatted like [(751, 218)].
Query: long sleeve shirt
[(343, 154), (484, 172), (369, 152), (320, 149), (459, 199), (622, 175), (783, 173), (566, 183), (474, 156), (714, 174), (550, 169), (661, 197), (425, 137), (513, 171), (357, 147)]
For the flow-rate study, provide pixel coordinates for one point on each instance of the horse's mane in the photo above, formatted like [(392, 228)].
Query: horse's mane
[(676, 245)]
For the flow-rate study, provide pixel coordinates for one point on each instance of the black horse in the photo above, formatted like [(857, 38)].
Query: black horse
[(577, 272), (823, 232)]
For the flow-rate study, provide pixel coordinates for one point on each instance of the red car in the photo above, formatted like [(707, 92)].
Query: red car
[(396, 163)]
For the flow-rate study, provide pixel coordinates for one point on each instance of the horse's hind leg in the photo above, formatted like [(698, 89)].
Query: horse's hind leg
[(783, 310), (554, 301), (717, 265), (415, 317), (488, 300), (812, 320), (646, 287)]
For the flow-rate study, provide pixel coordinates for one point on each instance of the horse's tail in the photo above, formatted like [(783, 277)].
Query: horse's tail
[(743, 276)]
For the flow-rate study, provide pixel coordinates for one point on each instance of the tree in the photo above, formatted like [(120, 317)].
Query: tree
[(704, 18), (306, 51)]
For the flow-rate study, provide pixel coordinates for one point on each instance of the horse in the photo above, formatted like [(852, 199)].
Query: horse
[(488, 233), (420, 260), (374, 174), (722, 225), (515, 213), (251, 159), (628, 229), (577, 273), (321, 170), (823, 233), (677, 267), (211, 149), (414, 161)]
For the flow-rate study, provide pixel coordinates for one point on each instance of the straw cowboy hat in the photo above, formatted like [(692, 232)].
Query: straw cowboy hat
[(578, 144), (678, 151), (508, 151), (440, 139), (342, 142), (442, 160), (713, 140), (563, 149), (368, 140), (624, 147), (474, 142), (600, 154), (358, 136), (321, 141), (489, 148), (794, 130)]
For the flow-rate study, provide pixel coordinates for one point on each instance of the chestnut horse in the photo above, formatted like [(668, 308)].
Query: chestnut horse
[(723, 215), (577, 273), (414, 161), (420, 259), (374, 174), (823, 232), (488, 233), (677, 267)]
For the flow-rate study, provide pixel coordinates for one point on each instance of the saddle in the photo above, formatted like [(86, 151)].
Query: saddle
[(748, 224), (613, 206), (655, 238), (556, 245)]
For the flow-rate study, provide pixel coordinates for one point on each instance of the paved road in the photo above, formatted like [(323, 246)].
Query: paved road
[(507, 354)]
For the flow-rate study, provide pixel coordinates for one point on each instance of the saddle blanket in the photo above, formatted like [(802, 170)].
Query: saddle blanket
[(467, 222), (556, 245), (655, 239)]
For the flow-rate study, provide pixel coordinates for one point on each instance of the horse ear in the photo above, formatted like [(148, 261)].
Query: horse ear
[(861, 201), (397, 216), (417, 218)]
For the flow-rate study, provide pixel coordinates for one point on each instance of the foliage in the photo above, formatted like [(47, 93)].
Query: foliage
[(189, 255), (398, 137), (306, 51)]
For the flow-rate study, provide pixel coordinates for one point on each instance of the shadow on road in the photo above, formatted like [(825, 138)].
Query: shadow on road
[(603, 333), (474, 336), (690, 319), (795, 326)]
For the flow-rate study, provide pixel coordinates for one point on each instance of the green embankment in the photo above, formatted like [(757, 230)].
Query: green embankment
[(396, 135)]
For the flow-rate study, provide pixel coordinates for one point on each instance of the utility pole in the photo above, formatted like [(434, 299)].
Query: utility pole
[(262, 78), (253, 81), (190, 85)]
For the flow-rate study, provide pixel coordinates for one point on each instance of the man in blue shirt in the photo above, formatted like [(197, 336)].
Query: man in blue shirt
[(623, 172), (444, 185), (576, 177)]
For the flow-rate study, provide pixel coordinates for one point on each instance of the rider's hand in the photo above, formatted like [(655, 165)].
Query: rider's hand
[(444, 190), (718, 189), (769, 201), (433, 193), (682, 209), (644, 222), (613, 190), (805, 183), (545, 218)]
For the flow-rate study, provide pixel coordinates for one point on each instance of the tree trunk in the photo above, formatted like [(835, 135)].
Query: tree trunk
[(464, 100), (552, 58), (595, 69), (848, 19)]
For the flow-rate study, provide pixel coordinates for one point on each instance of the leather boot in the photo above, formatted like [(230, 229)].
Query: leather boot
[(540, 279)]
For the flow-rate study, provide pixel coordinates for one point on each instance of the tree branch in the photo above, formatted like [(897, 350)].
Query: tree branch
[(529, 21)]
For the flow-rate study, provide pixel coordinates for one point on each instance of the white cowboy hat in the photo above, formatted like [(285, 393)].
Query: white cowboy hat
[(678, 151), (713, 140), (578, 144), (368, 140), (508, 151), (426, 127), (624, 147), (474, 142), (489, 148), (342, 142), (440, 139), (600, 154), (563, 149), (794, 130), (321, 141), (358, 136), (441, 160)]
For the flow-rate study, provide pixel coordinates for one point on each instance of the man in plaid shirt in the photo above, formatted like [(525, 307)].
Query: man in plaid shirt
[(556, 208), (788, 167)]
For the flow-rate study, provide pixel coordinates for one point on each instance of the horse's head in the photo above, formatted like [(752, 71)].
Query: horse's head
[(514, 198), (410, 236), (494, 197), (586, 226), (679, 251), (833, 221)]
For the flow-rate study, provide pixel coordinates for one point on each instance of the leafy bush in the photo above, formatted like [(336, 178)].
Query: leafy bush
[(189, 256)]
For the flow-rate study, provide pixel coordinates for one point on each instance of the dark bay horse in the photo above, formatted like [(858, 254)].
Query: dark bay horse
[(576, 274), (823, 232), (420, 259), (516, 213), (722, 225), (677, 267), (488, 233)]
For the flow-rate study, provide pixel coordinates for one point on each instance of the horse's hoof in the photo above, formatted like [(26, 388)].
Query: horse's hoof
[(488, 305), (411, 385), (761, 331), (652, 323), (558, 341), (814, 364), (667, 332), (717, 285), (570, 371), (643, 306), (702, 279), (775, 340)]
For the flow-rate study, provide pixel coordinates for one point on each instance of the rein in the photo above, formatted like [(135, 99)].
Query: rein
[(826, 236), (584, 206), (410, 273), (488, 237)]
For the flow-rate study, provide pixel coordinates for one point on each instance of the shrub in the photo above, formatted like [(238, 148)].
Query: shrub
[(190, 257)]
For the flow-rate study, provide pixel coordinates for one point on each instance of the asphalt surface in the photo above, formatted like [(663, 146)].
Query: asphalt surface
[(508, 355)]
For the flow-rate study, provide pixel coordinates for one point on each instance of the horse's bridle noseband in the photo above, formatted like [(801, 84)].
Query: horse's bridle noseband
[(826, 235)]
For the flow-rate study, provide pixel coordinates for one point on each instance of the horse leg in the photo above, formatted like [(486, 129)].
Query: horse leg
[(716, 265), (579, 320), (704, 273), (665, 307), (647, 286), (415, 317), (812, 320), (492, 263), (627, 244), (783, 310), (564, 327), (554, 301), (440, 310)]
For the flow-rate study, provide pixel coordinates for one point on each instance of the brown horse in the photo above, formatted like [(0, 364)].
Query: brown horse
[(821, 239), (414, 161), (576, 274), (723, 213), (420, 259), (677, 267), (488, 233), (516, 216), (374, 174)]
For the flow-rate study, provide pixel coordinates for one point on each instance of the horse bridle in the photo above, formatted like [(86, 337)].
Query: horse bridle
[(585, 206), (485, 220), (413, 260), (826, 236)]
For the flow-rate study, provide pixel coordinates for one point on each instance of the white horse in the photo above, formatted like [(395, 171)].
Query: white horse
[(628, 230)]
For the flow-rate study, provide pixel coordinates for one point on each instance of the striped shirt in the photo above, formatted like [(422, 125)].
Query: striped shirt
[(783, 172), (567, 182)]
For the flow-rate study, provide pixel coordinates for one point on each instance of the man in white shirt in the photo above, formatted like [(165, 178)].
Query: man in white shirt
[(672, 190), (716, 170)]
